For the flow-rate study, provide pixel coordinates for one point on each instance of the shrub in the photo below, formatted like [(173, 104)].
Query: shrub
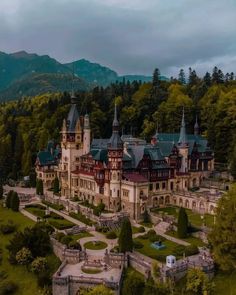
[(151, 232), (56, 216), (144, 237), (39, 265), (66, 240), (24, 256), (137, 244), (79, 216), (8, 287), (141, 229), (191, 250), (8, 228), (75, 245), (63, 225), (59, 236), (111, 235)]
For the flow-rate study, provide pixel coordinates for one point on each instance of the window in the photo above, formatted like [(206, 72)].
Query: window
[(157, 186), (163, 185), (150, 186)]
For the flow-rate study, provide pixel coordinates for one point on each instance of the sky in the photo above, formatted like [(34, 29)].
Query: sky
[(129, 36)]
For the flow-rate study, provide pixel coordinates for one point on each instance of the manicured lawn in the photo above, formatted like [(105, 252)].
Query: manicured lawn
[(26, 281), (80, 236), (154, 253), (55, 220), (98, 245), (135, 230), (192, 240), (82, 218), (194, 218), (91, 271)]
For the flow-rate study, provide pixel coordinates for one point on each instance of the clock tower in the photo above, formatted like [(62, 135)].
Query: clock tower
[(115, 157)]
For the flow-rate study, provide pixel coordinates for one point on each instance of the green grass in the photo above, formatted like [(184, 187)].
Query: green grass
[(91, 271), (147, 224), (99, 245), (59, 223), (26, 281), (192, 240), (225, 284), (82, 218), (194, 218), (80, 236), (154, 253)]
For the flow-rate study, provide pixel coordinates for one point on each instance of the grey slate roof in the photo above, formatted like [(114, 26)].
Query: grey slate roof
[(72, 118)]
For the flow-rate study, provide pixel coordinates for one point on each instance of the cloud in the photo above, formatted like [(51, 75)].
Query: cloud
[(129, 36)]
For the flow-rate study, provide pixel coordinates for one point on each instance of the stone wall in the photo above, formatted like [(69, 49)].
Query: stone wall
[(71, 256), (139, 264)]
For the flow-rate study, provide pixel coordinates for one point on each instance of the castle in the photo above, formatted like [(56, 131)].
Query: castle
[(123, 172)]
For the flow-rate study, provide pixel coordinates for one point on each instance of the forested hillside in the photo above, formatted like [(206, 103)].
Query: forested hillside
[(26, 125)]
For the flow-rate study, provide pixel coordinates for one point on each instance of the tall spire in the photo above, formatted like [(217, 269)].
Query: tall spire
[(182, 137), (196, 127), (115, 141), (115, 124)]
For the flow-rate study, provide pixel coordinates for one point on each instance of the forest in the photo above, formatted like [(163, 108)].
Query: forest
[(28, 123)]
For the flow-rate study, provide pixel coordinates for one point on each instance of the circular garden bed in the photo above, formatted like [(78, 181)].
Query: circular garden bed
[(95, 245)]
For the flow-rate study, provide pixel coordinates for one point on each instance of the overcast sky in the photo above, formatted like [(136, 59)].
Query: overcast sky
[(130, 36)]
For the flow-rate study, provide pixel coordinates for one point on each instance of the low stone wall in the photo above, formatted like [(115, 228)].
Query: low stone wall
[(138, 263), (65, 254)]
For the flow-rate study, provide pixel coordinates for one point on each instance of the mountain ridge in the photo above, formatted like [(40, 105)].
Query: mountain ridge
[(18, 68)]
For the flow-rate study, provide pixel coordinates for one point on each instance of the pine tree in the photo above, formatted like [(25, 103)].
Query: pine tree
[(56, 186), (39, 187), (15, 202), (181, 78), (125, 240), (156, 77), (207, 79), (182, 228), (8, 199), (32, 178)]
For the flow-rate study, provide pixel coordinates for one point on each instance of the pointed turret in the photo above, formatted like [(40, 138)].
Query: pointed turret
[(182, 137), (196, 127), (115, 141)]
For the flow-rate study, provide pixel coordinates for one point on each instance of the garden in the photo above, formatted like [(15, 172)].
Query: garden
[(194, 218), (16, 277), (52, 218)]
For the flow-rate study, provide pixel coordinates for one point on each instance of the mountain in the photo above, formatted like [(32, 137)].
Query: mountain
[(23, 74), (93, 72), (35, 84), (17, 65)]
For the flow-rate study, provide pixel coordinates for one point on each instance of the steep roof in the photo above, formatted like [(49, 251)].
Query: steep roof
[(72, 118)]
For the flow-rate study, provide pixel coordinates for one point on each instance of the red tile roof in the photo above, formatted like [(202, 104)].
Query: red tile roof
[(135, 177)]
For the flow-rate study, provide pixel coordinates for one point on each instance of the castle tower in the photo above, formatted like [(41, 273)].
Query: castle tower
[(87, 135), (183, 146), (196, 127), (115, 157), (71, 147)]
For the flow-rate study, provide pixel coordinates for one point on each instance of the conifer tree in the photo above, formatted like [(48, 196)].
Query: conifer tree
[(39, 187), (182, 228), (8, 199), (56, 186), (125, 240), (15, 202), (156, 77), (182, 79)]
